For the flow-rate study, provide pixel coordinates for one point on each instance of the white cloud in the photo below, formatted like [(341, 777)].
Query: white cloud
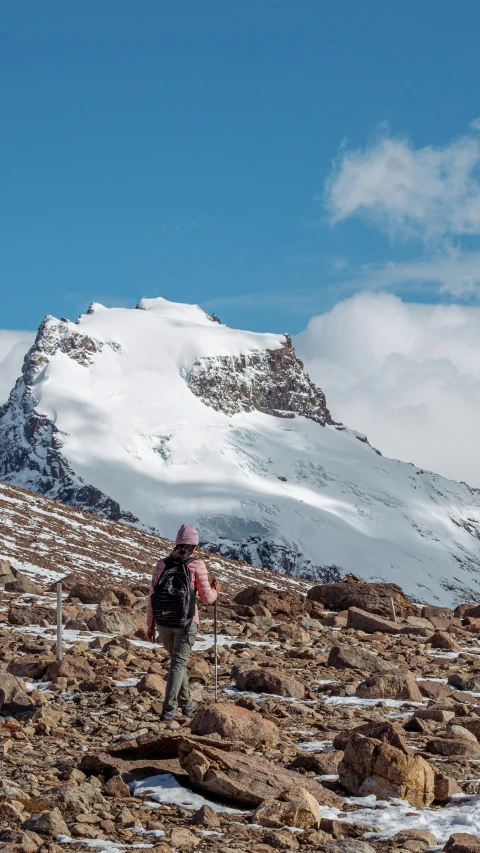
[(13, 346), (408, 375), (453, 271), (428, 193)]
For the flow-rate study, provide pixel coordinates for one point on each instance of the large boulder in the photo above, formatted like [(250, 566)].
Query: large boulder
[(372, 597), (382, 730), (31, 615), (371, 766), (276, 602), (152, 683), (244, 778), (70, 666), (274, 681), (14, 698), (16, 841), (116, 621), (444, 640), (86, 593), (21, 584), (356, 657), (29, 667), (6, 572), (49, 823), (296, 807), (361, 620), (464, 681), (235, 723), (321, 763), (454, 746), (462, 842), (390, 685)]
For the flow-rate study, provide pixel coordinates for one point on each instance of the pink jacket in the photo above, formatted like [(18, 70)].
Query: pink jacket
[(200, 582)]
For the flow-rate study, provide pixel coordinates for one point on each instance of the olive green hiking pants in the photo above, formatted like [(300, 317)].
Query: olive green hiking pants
[(178, 643)]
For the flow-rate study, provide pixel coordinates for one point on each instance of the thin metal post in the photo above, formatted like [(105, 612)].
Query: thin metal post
[(215, 647), (394, 615), (59, 621)]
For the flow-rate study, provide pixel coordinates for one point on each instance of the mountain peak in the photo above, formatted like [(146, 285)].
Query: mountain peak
[(160, 413)]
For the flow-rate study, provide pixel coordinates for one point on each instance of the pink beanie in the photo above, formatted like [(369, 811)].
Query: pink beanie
[(187, 535)]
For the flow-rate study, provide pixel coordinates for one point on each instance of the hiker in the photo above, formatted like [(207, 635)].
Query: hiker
[(172, 611)]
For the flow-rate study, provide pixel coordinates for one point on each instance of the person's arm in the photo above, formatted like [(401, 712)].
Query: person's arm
[(150, 620), (207, 593)]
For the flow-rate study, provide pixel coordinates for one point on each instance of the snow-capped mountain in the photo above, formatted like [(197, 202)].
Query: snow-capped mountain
[(161, 414)]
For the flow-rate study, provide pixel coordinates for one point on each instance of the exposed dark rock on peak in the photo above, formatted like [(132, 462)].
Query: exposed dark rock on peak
[(31, 444), (269, 381)]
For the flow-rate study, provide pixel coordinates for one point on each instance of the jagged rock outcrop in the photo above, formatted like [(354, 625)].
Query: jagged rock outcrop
[(31, 444), (273, 381)]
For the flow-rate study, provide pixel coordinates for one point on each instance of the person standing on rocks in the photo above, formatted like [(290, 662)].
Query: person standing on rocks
[(172, 610)]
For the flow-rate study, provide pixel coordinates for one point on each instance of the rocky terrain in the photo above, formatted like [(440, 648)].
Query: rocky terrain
[(347, 720)]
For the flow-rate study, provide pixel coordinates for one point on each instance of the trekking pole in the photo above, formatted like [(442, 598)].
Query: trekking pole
[(215, 647), (59, 621)]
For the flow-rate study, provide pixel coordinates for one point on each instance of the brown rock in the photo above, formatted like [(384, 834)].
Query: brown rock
[(235, 723), (453, 746), (372, 597), (6, 572), (70, 666), (433, 689), (462, 842), (22, 584), (465, 681), (296, 807), (470, 723), (341, 829), (347, 845), (424, 840), (274, 681), (32, 615), (320, 763), (244, 778), (390, 685), (153, 684), (355, 657), (290, 605), (16, 840), (205, 816), (444, 640), (372, 767), (383, 730), (29, 667), (184, 839), (50, 823), (445, 788), (14, 699), (91, 594), (293, 632), (431, 610), (438, 715), (361, 620), (281, 839), (115, 621), (116, 787)]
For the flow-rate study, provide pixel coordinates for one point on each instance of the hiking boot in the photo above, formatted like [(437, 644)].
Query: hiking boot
[(189, 709), (169, 715)]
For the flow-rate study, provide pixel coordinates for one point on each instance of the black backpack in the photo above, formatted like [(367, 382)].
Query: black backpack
[(173, 600)]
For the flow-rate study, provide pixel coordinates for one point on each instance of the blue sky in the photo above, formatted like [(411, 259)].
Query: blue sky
[(183, 149)]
